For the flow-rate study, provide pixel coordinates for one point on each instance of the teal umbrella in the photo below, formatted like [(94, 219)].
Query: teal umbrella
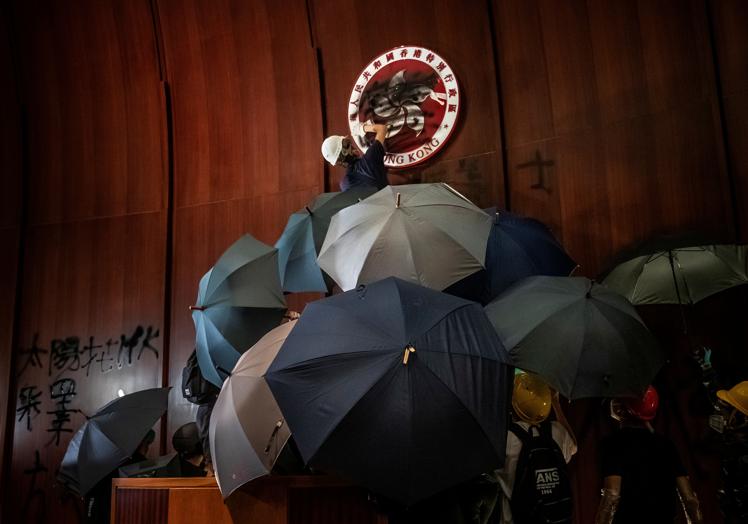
[(301, 240), (238, 301), (683, 275)]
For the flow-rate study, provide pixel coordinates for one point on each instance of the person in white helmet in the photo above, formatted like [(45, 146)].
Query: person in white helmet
[(361, 171)]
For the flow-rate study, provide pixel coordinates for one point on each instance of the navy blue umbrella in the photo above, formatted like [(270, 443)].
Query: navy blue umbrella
[(401, 388), (518, 247)]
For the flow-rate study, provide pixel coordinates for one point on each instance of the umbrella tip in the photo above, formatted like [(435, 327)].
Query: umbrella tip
[(397, 200), (197, 308), (308, 210)]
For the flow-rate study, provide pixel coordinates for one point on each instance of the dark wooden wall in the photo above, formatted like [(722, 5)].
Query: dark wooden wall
[(141, 138)]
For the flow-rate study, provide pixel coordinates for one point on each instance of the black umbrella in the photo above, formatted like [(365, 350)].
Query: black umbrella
[(582, 338), (401, 388), (110, 437)]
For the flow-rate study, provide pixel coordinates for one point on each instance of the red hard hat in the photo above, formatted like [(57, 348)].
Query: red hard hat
[(644, 408)]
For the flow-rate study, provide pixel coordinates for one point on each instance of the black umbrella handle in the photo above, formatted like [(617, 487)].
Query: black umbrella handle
[(278, 425)]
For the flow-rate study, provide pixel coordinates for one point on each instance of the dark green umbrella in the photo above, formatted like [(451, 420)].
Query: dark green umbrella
[(582, 338), (303, 236), (110, 437), (683, 275), (238, 301)]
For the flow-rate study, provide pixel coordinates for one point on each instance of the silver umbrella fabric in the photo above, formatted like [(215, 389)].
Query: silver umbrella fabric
[(428, 234), (238, 301), (683, 275), (582, 338), (109, 437), (301, 240), (247, 429)]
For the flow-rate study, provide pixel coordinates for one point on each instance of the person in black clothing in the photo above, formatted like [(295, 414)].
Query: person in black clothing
[(643, 474), (361, 171), (187, 443), (730, 424)]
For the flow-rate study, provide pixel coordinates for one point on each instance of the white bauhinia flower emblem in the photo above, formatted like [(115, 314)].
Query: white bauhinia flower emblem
[(400, 105)]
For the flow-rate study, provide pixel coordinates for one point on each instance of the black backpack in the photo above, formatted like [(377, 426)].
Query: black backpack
[(194, 386), (542, 490)]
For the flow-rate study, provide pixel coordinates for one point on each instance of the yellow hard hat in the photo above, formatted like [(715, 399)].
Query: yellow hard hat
[(737, 396), (531, 398)]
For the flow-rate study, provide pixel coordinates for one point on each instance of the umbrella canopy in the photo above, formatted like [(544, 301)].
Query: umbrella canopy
[(302, 239), (428, 234), (582, 338), (238, 301), (398, 387), (682, 275), (109, 437), (247, 429), (160, 467), (518, 247)]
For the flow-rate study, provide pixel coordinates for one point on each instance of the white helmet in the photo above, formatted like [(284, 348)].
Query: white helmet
[(331, 148)]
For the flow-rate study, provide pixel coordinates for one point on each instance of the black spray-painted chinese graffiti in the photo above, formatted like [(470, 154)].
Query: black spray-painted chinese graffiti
[(62, 392), (72, 354), (28, 398)]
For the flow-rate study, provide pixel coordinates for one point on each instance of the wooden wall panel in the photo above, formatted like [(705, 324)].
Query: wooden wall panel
[(729, 19), (91, 89), (100, 278), (10, 209), (247, 132), (9, 239), (349, 34), (630, 109), (246, 99)]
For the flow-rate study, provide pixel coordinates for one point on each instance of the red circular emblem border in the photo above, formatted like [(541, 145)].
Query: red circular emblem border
[(449, 89)]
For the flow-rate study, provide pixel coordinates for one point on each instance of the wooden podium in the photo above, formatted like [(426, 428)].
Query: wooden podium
[(269, 500)]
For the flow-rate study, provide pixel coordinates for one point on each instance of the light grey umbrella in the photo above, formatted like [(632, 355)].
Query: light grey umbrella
[(247, 429), (428, 234)]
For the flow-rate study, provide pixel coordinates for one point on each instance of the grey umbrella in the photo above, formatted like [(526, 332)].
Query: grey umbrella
[(110, 437), (428, 234), (302, 239), (683, 275), (238, 301), (582, 338), (247, 429)]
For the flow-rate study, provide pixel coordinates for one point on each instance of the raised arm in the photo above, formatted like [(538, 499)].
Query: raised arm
[(690, 501), (379, 129), (611, 495)]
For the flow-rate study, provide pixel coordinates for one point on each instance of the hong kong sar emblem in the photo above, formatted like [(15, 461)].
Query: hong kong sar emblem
[(414, 92)]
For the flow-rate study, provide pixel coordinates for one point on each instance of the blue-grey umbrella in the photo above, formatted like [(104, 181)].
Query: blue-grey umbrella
[(238, 301), (301, 240), (582, 338), (110, 437), (401, 388)]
